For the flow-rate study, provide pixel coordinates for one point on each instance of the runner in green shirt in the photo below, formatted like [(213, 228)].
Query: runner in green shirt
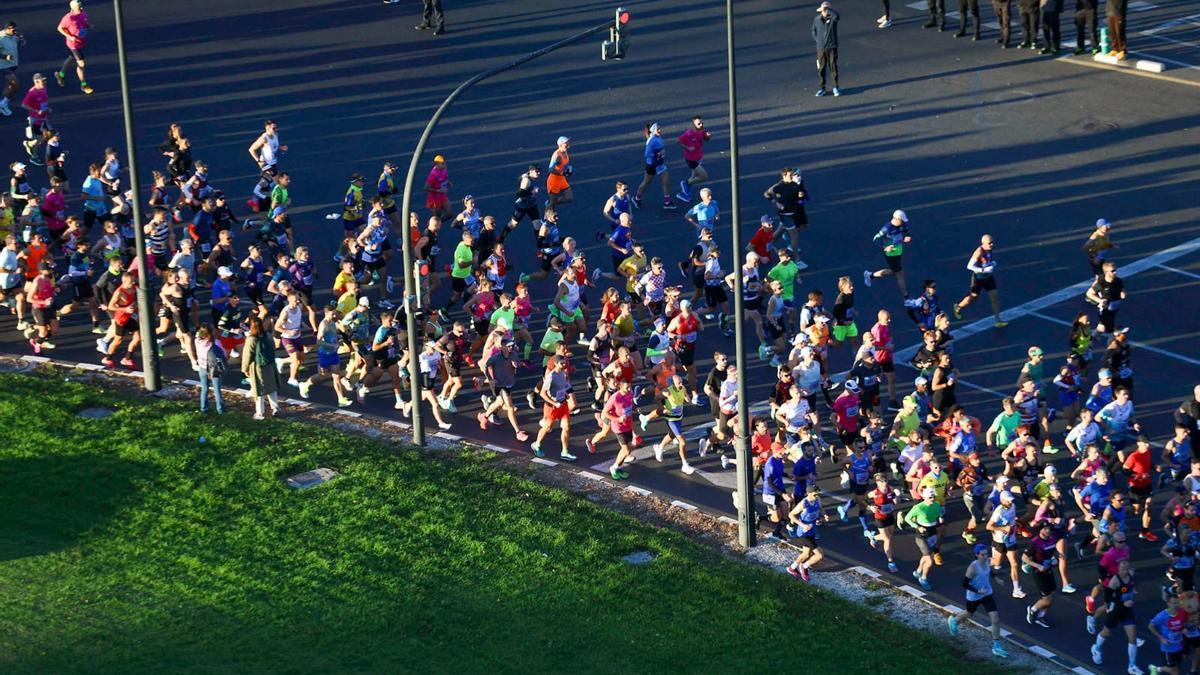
[(463, 266), (1004, 427), (785, 272), (279, 194), (925, 518)]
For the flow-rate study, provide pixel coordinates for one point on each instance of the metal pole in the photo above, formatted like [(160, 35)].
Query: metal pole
[(414, 375), (745, 505), (153, 382)]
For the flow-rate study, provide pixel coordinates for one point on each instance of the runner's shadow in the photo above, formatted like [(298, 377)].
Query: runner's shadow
[(53, 502)]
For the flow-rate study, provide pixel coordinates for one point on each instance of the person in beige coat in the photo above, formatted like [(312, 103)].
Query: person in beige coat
[(258, 364)]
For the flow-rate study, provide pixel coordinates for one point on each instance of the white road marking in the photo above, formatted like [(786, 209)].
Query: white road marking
[(1176, 270), (912, 591), (1041, 651), (1055, 297), (1139, 345)]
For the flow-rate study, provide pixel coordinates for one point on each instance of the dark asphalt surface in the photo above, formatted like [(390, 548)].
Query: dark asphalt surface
[(966, 137)]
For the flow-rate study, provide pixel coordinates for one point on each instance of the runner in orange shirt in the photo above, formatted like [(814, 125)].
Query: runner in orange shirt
[(559, 171)]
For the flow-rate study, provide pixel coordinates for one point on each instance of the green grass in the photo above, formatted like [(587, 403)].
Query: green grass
[(128, 546)]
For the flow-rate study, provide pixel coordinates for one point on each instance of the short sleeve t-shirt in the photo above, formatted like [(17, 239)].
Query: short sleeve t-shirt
[(76, 27), (619, 410), (846, 409), (785, 274), (462, 261)]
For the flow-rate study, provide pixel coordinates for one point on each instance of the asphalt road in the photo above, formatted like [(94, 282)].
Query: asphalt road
[(966, 137)]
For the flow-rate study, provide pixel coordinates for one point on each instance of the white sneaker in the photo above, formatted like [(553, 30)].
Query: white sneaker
[(658, 452), (444, 425), (703, 446), (279, 363), (886, 24), (233, 353), (881, 19), (687, 468), (293, 382), (344, 402), (1018, 593), (1133, 669), (400, 404), (305, 388)]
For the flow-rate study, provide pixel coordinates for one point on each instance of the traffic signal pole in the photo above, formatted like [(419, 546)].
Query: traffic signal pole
[(411, 306), (741, 435)]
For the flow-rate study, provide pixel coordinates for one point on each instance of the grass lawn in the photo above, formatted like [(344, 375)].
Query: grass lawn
[(128, 546)]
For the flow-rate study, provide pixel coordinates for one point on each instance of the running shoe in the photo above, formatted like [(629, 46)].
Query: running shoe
[(952, 624), (444, 425), (685, 191), (794, 572), (867, 278), (724, 461), (658, 452), (37, 348), (305, 388), (703, 446), (537, 449), (618, 474), (344, 402), (4, 109), (98, 330), (86, 88), (591, 447), (128, 362), (841, 512), (107, 362), (644, 421), (596, 275), (1029, 615), (1000, 324), (483, 421), (1040, 620), (1017, 592), (530, 400), (60, 78), (957, 312), (687, 469), (804, 573), (1148, 536), (892, 567), (1068, 589), (888, 24), (636, 201), (820, 92), (567, 456), (998, 650), (837, 92)]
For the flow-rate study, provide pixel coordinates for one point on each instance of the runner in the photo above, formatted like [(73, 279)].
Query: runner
[(692, 142), (982, 265), (789, 197), (656, 165), (557, 185), (892, 237), (978, 585), (558, 402), (1168, 628), (74, 27), (883, 500), (617, 417), (805, 517), (672, 401), (1119, 595), (37, 108), (525, 202), (926, 518), (1003, 526), (10, 58), (774, 493), (501, 368), (40, 294), (265, 151), (437, 189), (429, 362)]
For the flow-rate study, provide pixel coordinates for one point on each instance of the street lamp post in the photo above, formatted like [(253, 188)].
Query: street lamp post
[(152, 381), (410, 281), (741, 436)]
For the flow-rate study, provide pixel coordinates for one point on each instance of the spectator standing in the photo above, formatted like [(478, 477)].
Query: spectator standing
[(1051, 26), (1114, 16), (824, 33), (431, 16), (1085, 19)]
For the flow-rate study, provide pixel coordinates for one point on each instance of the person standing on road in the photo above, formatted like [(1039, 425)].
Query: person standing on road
[(978, 584), (1003, 9), (1114, 15), (10, 58), (1051, 26), (1085, 19), (693, 141), (937, 14), (1029, 23), (965, 6), (982, 266), (892, 237), (824, 33), (432, 16), (74, 28)]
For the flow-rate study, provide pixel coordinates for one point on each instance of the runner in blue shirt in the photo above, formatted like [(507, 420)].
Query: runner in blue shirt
[(705, 213), (805, 517), (775, 494), (656, 165), (1167, 626)]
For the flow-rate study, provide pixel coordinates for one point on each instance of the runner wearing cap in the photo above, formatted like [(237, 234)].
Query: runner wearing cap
[(1098, 245), (982, 265), (1003, 526), (892, 237), (437, 189), (656, 165), (559, 170), (774, 492), (353, 205), (74, 27), (805, 518), (684, 331), (692, 142), (977, 583), (37, 109), (789, 195)]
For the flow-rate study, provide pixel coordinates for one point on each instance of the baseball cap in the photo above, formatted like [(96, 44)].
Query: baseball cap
[(898, 213), (851, 385), (920, 381), (1104, 374), (928, 493), (654, 127), (364, 301), (800, 339), (439, 159), (806, 351), (279, 211), (821, 318), (1103, 222), (1035, 351), (356, 176), (39, 76), (767, 220), (1121, 331), (880, 477), (1006, 496), (824, 5), (564, 139), (980, 548), (813, 490), (17, 166), (224, 272), (1050, 470)]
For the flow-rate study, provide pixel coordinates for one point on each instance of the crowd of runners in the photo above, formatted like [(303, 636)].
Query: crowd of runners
[(616, 354)]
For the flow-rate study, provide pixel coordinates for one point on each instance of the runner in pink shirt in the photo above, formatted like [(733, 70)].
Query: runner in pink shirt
[(882, 333), (617, 418), (74, 28), (692, 141), (54, 209), (846, 412), (37, 109)]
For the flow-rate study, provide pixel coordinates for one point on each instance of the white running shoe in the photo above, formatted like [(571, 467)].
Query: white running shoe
[(658, 452), (687, 469), (703, 446), (305, 388)]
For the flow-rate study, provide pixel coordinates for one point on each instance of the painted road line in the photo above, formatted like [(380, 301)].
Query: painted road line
[(1173, 23), (1082, 671), (1141, 6), (683, 505), (299, 403), (1140, 345), (448, 436), (638, 490), (1176, 270), (1004, 632), (1041, 651), (1065, 293), (543, 461), (99, 368), (592, 476)]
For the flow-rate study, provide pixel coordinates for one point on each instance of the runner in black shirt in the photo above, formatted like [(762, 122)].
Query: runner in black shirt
[(1107, 293), (789, 196)]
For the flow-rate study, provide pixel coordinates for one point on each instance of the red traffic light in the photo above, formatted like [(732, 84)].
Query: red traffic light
[(623, 17)]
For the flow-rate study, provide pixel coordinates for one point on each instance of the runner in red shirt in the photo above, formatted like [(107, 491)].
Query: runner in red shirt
[(763, 241), (1140, 466), (683, 331), (39, 292), (882, 334), (692, 141), (123, 307), (74, 28), (37, 110)]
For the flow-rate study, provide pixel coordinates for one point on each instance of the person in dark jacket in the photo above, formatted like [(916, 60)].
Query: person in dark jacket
[(1051, 28), (824, 33), (1114, 15), (1085, 20), (1030, 15)]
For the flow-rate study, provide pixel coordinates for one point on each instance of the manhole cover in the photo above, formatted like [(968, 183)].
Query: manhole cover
[(638, 558), (311, 479), (96, 413), (15, 367)]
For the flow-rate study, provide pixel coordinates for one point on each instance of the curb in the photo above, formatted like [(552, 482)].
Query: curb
[(406, 430)]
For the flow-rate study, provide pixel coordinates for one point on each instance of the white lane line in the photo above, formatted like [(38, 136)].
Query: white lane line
[(496, 448), (1139, 345), (1141, 6), (952, 609), (1176, 270), (1082, 671), (1065, 293), (399, 425), (346, 413), (1171, 24)]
